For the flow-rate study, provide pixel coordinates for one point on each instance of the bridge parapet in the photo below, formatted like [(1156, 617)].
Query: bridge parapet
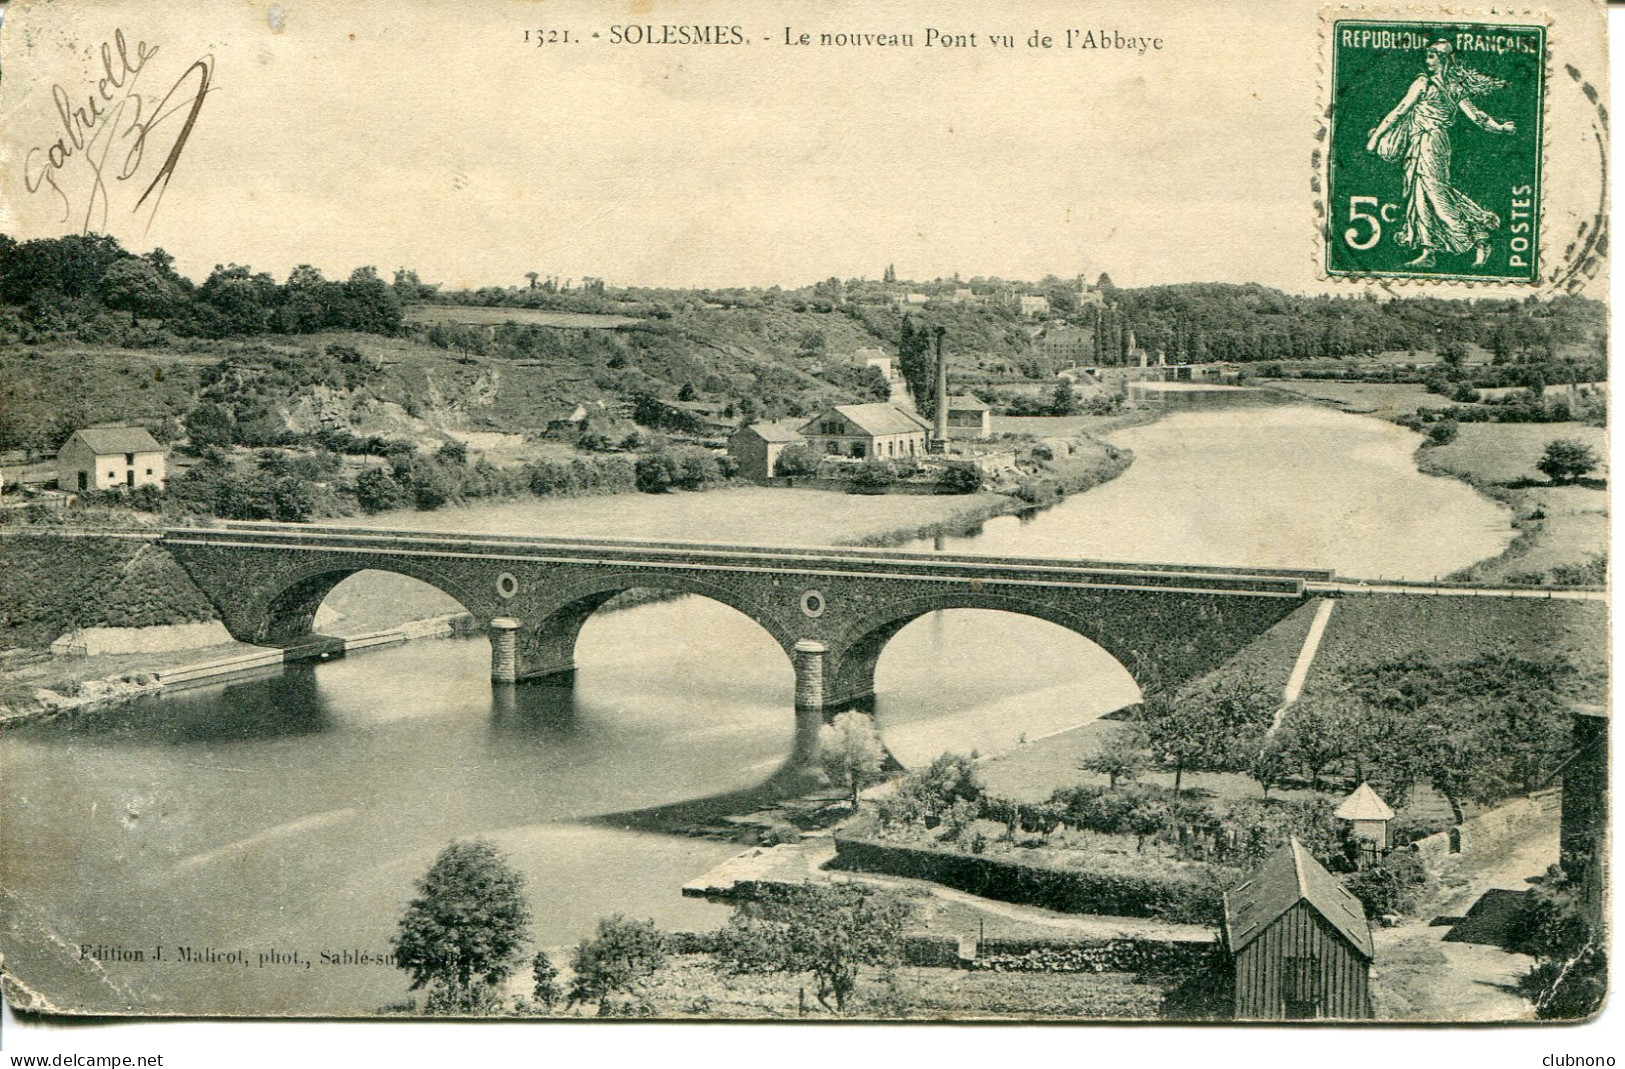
[(1166, 623)]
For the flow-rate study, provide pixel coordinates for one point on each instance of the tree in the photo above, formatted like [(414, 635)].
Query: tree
[(466, 925), (139, 287), (1121, 757), (917, 365), (1200, 728), (210, 425), (1265, 760), (1476, 729), (828, 931), (623, 955), (851, 751), (545, 989), (1312, 735), (370, 304), (1453, 354), (1065, 401), (1566, 460)]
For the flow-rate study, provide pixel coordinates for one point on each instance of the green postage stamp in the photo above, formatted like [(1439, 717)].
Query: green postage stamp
[(1433, 169)]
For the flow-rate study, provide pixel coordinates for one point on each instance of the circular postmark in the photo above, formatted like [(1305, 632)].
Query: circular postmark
[(507, 585), (813, 603)]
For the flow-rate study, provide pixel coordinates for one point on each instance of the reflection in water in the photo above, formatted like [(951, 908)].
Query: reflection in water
[(268, 707)]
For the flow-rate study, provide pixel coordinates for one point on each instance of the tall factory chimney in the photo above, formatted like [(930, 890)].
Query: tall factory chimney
[(939, 427)]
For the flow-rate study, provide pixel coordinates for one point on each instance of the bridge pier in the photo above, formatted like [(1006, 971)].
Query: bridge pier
[(809, 658), (504, 650)]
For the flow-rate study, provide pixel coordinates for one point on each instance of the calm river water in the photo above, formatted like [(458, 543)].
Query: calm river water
[(290, 815)]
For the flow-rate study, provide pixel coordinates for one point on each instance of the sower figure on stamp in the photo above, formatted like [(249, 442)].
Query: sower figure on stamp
[(1438, 216)]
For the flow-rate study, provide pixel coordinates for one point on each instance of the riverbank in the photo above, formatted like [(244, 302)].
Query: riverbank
[(150, 588), (42, 689), (1562, 531)]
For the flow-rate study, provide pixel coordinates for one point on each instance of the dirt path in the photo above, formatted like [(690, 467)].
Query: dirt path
[(1420, 977)]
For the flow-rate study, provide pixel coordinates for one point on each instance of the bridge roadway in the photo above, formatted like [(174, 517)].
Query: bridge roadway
[(832, 609)]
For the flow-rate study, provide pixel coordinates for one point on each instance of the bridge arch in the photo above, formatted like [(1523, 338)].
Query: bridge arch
[(288, 605), (855, 651), (547, 637)]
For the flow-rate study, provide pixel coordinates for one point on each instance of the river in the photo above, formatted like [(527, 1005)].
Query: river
[(290, 815)]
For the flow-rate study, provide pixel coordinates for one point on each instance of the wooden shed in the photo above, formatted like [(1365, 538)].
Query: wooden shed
[(1299, 941)]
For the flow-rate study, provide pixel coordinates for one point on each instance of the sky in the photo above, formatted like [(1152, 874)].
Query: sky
[(372, 133)]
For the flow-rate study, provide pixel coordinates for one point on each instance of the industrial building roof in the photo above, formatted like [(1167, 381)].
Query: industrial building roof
[(879, 417), (1291, 876)]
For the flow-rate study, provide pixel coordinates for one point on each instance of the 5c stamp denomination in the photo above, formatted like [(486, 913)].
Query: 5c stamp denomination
[(1434, 163)]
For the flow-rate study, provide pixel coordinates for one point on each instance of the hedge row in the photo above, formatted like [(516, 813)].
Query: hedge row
[(1175, 897), (1153, 956), (1141, 956)]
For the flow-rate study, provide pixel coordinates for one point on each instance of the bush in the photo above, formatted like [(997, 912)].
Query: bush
[(377, 491), (656, 473), (1444, 432), (796, 459), (959, 477), (873, 476), (1394, 885), (623, 955)]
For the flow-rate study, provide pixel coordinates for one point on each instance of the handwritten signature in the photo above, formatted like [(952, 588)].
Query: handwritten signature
[(117, 118)]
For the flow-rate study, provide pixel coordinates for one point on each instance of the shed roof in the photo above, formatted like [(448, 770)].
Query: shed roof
[(1364, 804), (878, 417), (967, 403), (104, 440), (1291, 876), (773, 432)]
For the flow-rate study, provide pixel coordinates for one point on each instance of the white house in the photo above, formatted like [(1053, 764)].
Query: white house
[(105, 458)]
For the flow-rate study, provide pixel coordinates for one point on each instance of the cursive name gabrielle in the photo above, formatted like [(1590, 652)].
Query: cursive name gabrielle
[(115, 133)]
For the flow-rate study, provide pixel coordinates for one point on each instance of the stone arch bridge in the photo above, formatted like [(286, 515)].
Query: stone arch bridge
[(832, 610)]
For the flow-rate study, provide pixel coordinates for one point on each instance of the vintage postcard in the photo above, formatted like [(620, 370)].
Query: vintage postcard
[(805, 511)]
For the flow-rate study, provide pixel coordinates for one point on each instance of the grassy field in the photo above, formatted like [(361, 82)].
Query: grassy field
[(1560, 527), (1508, 452), (1384, 399), (482, 316)]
